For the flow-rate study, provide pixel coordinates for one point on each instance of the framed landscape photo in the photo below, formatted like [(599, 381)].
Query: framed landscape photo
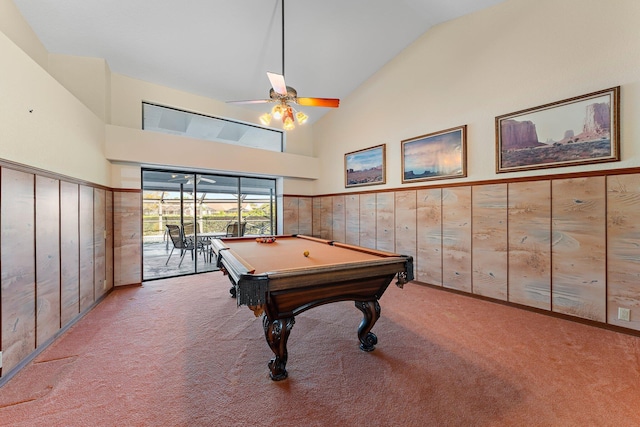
[(438, 155), (575, 131), (365, 167)]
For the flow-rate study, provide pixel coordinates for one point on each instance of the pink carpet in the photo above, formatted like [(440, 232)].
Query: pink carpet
[(178, 352)]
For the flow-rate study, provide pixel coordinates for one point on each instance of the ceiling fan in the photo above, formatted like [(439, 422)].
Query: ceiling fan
[(283, 96)]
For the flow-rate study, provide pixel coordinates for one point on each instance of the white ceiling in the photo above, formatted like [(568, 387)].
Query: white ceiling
[(223, 49)]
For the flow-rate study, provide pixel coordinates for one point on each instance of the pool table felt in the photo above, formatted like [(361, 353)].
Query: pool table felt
[(288, 253)]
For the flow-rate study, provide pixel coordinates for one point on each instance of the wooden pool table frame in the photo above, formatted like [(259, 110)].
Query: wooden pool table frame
[(282, 294)]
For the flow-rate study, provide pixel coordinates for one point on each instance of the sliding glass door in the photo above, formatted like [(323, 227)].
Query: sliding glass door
[(184, 210)]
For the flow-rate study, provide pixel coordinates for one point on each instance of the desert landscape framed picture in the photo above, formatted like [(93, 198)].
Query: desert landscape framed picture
[(365, 167), (575, 131), (438, 155)]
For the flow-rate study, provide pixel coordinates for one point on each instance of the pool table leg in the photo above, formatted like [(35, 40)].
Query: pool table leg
[(277, 333), (371, 311)]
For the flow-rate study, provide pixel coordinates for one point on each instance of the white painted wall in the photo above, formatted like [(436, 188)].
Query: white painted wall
[(516, 55)]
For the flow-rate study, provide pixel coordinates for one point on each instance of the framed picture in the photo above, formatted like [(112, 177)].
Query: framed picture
[(576, 131), (365, 167), (438, 155)]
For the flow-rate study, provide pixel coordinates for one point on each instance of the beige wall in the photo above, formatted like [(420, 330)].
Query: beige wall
[(516, 55), (88, 79), (129, 146), (43, 125), (13, 25)]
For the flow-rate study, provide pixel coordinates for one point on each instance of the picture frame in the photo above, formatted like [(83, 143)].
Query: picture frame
[(365, 167), (438, 155), (575, 131)]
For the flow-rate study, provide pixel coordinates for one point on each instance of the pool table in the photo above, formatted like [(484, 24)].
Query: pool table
[(294, 273)]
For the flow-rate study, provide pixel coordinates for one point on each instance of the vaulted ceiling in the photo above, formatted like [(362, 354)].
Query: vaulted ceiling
[(223, 49)]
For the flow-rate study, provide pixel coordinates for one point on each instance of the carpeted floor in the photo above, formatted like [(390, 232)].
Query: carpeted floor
[(178, 352)]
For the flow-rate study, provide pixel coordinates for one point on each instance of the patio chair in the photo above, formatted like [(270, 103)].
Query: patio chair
[(179, 242), (233, 231), (203, 244)]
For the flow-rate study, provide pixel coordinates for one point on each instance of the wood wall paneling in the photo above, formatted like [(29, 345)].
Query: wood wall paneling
[(352, 214), (405, 226), (429, 236), (578, 259), (47, 202), (99, 239), (339, 219), (385, 222), (326, 217), (290, 215), (18, 271), (316, 217), (87, 271), (489, 240), (623, 254), (367, 224), (69, 252), (109, 239), (561, 243), (127, 238), (529, 214), (456, 238), (305, 215)]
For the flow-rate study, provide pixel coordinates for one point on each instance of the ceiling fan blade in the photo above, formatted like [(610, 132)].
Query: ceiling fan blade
[(251, 101), (277, 82), (319, 102)]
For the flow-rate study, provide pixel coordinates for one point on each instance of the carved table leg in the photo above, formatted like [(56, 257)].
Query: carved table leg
[(371, 311), (277, 333)]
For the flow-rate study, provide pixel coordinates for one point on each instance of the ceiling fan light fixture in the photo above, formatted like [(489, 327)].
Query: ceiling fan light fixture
[(287, 113), (301, 117), (288, 124), (265, 119), (277, 111)]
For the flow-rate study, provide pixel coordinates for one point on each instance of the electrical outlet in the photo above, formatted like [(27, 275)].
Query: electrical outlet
[(104, 284), (624, 314), (0, 360)]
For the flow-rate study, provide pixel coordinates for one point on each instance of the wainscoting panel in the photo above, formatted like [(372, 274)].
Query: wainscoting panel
[(567, 243), (623, 243), (47, 258), (456, 238), (385, 222), (429, 236), (18, 271), (56, 255), (127, 238), (86, 248), (490, 240), (305, 215), (99, 241), (109, 240), (352, 212), (317, 216), (69, 252), (530, 243), (290, 215), (339, 228), (298, 215), (578, 246), (368, 220), (406, 216)]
